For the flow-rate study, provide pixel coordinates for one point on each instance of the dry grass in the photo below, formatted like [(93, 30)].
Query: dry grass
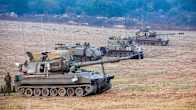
[(164, 80)]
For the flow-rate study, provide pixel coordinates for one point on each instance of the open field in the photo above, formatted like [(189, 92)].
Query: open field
[(164, 80)]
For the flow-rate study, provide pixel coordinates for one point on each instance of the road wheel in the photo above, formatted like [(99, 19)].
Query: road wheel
[(28, 92), (45, 92), (70, 91), (79, 91), (62, 92), (37, 92), (21, 91), (53, 92)]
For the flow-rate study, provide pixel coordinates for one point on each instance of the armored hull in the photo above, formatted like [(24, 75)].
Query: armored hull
[(146, 36), (53, 76), (125, 53), (151, 41), (78, 84), (122, 47)]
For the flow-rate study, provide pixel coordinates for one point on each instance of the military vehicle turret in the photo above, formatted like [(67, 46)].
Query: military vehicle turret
[(81, 52), (122, 47), (50, 74), (147, 37)]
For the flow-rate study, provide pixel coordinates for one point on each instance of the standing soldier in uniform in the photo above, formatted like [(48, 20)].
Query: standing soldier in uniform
[(8, 81)]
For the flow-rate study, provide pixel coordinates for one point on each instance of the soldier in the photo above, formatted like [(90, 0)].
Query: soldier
[(44, 56), (8, 81)]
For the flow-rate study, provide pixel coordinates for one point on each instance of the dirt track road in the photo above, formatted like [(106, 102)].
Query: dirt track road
[(164, 80)]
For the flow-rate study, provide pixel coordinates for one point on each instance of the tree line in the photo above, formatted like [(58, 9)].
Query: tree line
[(107, 8), (174, 11)]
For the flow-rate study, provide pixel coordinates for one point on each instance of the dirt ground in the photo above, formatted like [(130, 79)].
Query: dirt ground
[(164, 80)]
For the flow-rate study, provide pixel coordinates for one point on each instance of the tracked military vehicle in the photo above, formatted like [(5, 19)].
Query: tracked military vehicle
[(122, 47), (147, 37), (81, 52), (50, 74)]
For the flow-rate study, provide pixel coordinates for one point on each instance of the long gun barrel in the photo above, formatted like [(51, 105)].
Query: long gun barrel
[(172, 34), (103, 61)]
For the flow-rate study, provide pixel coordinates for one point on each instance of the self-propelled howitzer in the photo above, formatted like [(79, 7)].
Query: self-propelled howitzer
[(59, 77), (81, 52), (148, 37), (122, 47)]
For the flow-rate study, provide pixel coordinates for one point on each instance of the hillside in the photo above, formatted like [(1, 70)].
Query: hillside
[(171, 12)]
